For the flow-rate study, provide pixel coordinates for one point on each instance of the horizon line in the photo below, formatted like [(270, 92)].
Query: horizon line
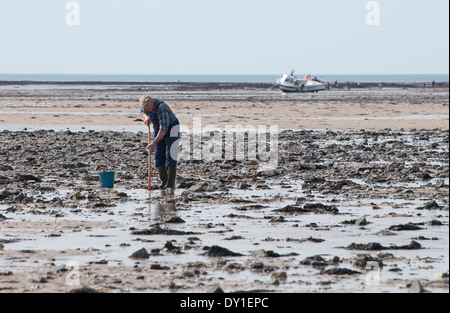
[(325, 74)]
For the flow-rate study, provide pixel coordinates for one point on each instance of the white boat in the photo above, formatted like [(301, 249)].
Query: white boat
[(290, 83)]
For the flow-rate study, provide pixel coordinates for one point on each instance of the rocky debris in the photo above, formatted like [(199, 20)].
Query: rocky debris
[(317, 208), (197, 188), (432, 205), (315, 261), (317, 170), (175, 220), (279, 276), (140, 254), (26, 178), (169, 246), (84, 290), (6, 167), (385, 232), (217, 251), (409, 226), (359, 222), (157, 230), (258, 266), (434, 223), (340, 271), (264, 254), (366, 260), (375, 246)]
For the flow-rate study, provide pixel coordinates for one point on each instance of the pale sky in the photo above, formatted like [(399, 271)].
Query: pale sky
[(224, 37)]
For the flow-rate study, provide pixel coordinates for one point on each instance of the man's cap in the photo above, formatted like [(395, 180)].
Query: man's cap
[(145, 99)]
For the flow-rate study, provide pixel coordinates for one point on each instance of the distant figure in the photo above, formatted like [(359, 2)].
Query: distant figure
[(348, 86), (433, 84), (336, 84), (328, 86), (424, 85)]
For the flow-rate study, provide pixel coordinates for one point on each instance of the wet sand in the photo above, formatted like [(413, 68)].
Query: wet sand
[(396, 107), (359, 204)]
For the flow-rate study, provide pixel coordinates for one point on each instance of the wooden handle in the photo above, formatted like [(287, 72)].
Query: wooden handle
[(149, 159)]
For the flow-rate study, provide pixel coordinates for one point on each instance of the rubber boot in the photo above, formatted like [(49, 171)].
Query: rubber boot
[(172, 178), (163, 176)]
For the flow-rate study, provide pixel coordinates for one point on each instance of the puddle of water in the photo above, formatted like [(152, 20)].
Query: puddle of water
[(215, 224)]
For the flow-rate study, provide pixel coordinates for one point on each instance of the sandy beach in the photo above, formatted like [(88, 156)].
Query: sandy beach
[(396, 106), (358, 201)]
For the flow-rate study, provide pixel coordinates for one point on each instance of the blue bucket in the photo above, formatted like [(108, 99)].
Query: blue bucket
[(106, 179)]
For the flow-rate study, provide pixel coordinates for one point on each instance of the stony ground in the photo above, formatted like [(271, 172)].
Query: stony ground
[(338, 205)]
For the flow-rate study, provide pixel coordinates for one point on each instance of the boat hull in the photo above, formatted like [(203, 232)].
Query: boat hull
[(304, 89)]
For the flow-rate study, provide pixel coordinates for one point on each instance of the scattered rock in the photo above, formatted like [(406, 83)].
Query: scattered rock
[(359, 222), (291, 209), (140, 254), (157, 230), (317, 208), (313, 259), (257, 266), (413, 245), (170, 247), (197, 188), (320, 208), (340, 271), (243, 186), (216, 251), (84, 290), (375, 246), (6, 167), (365, 260), (432, 205), (264, 254), (430, 223), (25, 178), (176, 220), (385, 232), (409, 226), (280, 276)]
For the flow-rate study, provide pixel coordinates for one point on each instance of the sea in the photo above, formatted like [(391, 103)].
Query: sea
[(220, 78)]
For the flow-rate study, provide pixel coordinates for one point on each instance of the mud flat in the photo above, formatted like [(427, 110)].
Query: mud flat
[(344, 211)]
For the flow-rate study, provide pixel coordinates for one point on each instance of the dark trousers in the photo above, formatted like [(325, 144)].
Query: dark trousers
[(166, 151)]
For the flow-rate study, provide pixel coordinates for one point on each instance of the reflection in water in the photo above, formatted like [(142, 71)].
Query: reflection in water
[(162, 208)]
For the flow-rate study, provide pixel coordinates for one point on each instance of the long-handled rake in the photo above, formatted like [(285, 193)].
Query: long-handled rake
[(149, 187)]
